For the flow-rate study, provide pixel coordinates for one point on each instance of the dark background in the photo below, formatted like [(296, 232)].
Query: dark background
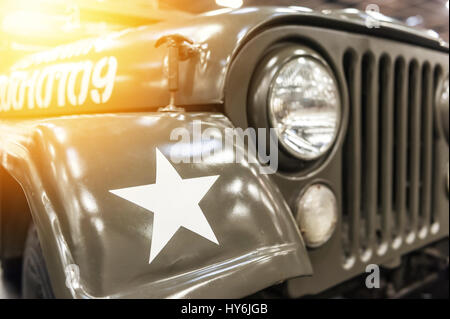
[(101, 16), (429, 14)]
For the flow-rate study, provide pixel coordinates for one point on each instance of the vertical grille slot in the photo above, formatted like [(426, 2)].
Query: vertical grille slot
[(414, 102), (427, 149), (386, 133), (437, 77), (352, 157), (369, 106), (401, 148)]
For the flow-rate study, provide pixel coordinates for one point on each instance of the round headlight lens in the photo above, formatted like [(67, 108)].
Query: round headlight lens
[(305, 107), (317, 215)]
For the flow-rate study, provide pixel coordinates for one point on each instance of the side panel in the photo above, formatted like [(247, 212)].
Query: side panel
[(67, 167)]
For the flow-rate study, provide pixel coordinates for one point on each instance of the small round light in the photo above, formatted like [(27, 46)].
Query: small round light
[(305, 107), (317, 215)]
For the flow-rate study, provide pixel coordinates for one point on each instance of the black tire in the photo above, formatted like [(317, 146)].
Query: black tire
[(12, 269), (35, 280)]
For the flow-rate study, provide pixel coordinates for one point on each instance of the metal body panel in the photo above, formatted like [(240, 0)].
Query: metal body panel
[(140, 80), (66, 167)]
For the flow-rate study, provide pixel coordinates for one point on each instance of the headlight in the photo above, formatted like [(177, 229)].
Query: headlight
[(317, 215), (305, 107), (442, 104)]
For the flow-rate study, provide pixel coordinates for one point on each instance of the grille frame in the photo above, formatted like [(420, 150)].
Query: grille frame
[(392, 125), (390, 247), (329, 263)]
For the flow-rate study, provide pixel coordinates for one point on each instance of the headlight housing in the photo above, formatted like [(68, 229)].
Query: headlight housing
[(304, 107), (295, 92)]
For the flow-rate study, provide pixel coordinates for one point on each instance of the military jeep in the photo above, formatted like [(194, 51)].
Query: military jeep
[(104, 194)]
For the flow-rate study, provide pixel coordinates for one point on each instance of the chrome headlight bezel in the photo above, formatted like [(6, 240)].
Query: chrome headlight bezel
[(321, 65), (258, 101)]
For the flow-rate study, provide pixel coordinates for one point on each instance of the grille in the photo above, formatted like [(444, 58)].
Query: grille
[(388, 153)]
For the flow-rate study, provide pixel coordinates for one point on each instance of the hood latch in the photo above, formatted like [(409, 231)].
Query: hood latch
[(180, 49)]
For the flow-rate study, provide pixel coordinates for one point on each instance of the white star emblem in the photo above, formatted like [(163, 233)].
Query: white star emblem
[(174, 203)]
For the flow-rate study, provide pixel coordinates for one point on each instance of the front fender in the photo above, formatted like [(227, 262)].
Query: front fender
[(97, 245)]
